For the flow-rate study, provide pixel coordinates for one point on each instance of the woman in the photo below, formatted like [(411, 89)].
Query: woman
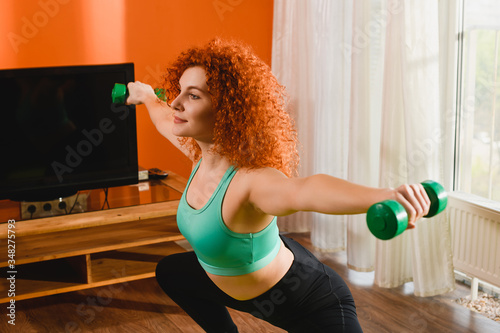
[(228, 115)]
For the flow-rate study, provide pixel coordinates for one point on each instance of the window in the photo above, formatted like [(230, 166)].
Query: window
[(478, 149)]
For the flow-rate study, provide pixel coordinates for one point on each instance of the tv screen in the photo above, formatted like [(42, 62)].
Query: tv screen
[(61, 133)]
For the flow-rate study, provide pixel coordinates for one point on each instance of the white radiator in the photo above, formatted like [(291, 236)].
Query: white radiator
[(475, 227)]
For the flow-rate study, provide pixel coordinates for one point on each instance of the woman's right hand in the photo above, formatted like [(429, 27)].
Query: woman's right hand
[(139, 93)]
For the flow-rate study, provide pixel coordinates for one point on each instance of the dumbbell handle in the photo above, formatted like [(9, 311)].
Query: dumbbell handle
[(388, 219), (119, 94)]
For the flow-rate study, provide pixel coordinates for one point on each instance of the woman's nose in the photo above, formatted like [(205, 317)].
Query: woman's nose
[(176, 104)]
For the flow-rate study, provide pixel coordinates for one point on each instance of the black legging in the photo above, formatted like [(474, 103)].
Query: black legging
[(310, 298)]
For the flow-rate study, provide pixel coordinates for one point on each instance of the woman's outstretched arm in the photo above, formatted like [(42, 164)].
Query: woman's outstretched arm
[(275, 194)]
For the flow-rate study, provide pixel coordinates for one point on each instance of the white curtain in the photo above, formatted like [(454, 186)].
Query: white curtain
[(306, 40), (363, 78)]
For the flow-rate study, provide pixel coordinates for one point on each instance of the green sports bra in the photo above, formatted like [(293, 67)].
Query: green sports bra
[(220, 250)]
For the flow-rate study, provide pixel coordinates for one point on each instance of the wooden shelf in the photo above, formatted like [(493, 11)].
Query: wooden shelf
[(75, 252), (57, 276), (122, 264), (62, 244)]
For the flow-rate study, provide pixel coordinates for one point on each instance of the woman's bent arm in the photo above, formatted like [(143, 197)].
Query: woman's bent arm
[(161, 113)]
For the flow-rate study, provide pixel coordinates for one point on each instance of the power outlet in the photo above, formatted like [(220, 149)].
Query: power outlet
[(61, 206)]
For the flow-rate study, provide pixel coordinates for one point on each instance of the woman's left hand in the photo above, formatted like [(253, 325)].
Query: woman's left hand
[(415, 201)]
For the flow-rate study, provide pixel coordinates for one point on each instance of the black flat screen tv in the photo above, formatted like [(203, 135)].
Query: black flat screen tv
[(61, 133)]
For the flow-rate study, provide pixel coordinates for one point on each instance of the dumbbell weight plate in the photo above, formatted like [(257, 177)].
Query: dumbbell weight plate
[(160, 93), (119, 93), (387, 219), (437, 195)]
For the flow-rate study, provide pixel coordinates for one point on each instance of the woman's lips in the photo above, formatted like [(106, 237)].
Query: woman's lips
[(178, 120)]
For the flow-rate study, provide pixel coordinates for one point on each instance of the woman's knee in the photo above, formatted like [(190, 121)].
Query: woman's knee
[(168, 270), (165, 265), (176, 269)]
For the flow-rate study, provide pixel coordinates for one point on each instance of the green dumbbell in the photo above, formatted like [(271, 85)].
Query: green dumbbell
[(119, 93), (388, 219)]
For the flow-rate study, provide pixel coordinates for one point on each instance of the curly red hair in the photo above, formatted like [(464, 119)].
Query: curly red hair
[(252, 127)]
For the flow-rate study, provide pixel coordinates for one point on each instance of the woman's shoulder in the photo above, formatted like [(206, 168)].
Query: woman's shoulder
[(261, 172), (251, 177)]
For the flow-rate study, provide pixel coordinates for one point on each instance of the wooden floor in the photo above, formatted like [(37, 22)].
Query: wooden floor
[(140, 306)]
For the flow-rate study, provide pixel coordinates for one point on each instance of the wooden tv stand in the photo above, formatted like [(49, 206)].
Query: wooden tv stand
[(78, 251)]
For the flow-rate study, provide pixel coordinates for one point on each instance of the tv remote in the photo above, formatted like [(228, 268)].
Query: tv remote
[(156, 173)]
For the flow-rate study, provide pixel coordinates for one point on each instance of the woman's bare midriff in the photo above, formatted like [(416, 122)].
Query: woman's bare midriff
[(248, 286)]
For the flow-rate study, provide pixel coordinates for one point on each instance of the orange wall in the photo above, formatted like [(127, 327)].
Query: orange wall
[(150, 33)]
